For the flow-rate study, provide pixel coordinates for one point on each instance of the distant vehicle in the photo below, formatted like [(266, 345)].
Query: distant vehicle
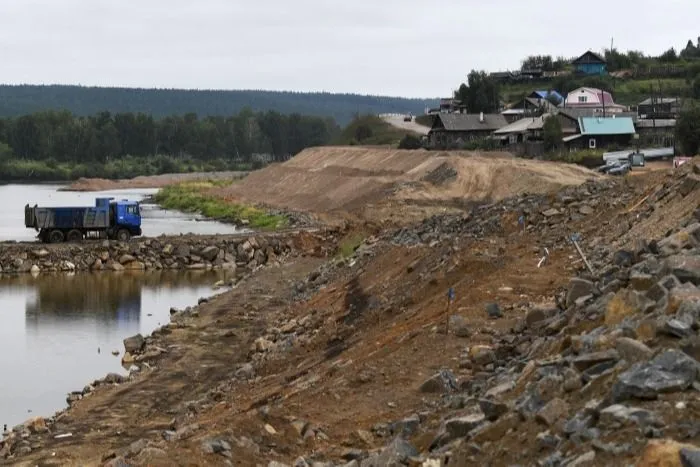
[(117, 220), (618, 167), (408, 118)]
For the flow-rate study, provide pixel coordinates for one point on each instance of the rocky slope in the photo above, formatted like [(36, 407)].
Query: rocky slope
[(541, 358), (190, 252)]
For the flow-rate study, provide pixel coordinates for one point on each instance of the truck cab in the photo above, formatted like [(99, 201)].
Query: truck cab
[(124, 216)]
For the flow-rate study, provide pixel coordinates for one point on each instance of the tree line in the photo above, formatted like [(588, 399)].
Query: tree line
[(17, 100), (63, 137)]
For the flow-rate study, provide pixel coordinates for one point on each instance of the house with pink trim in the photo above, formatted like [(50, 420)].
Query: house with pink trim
[(594, 99)]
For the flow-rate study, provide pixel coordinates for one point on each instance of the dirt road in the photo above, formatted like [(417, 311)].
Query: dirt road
[(398, 122)]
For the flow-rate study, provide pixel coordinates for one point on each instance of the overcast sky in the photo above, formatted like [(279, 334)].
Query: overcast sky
[(416, 48)]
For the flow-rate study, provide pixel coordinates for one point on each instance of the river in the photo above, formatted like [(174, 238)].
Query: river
[(53, 325), (155, 221)]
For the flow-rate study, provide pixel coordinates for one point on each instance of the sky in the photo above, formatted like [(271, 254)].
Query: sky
[(412, 48)]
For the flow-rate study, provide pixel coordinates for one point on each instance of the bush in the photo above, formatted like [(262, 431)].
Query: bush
[(195, 197), (410, 142)]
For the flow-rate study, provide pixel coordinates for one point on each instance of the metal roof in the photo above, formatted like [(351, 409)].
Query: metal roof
[(471, 122), (662, 100), (523, 125), (589, 57), (606, 126), (656, 123)]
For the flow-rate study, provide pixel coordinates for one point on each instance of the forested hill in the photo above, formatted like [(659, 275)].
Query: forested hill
[(18, 100)]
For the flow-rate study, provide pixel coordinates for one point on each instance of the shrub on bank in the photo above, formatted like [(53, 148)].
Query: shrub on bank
[(195, 197), (20, 170)]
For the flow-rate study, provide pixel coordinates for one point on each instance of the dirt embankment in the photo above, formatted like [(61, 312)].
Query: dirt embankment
[(336, 360), (152, 181), (371, 180)]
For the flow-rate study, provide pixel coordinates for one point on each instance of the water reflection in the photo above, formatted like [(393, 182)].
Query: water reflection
[(52, 326)]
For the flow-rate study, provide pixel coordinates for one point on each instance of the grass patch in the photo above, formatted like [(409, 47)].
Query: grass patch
[(195, 197), (349, 244)]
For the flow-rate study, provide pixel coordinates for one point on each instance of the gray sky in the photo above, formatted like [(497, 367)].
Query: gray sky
[(416, 48)]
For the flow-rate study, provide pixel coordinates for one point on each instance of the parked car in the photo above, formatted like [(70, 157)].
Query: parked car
[(408, 118), (618, 167)]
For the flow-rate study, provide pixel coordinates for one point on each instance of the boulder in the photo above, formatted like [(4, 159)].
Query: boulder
[(578, 288), (618, 415), (632, 350), (583, 362), (492, 409), (441, 382), (670, 371), (493, 311), (209, 253), (685, 267), (398, 452), (134, 344), (126, 259), (553, 412)]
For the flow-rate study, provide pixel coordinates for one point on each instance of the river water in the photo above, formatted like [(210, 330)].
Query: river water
[(51, 326), (155, 221)]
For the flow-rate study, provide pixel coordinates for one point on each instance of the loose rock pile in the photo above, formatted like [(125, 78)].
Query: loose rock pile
[(568, 397), (190, 252)]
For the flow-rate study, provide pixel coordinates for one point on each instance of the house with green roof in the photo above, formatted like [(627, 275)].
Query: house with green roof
[(601, 132)]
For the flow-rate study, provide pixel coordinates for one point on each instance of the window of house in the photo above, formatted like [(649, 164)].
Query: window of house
[(583, 99), (591, 143)]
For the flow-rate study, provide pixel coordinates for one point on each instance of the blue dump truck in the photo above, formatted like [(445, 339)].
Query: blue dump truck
[(116, 220)]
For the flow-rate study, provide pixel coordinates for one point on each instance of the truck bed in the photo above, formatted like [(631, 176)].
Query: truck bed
[(87, 218)]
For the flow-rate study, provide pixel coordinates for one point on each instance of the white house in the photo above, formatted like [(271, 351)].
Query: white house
[(592, 98)]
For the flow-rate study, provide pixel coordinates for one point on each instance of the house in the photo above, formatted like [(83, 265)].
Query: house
[(599, 132), (590, 63), (659, 108), (452, 130), (520, 131), (656, 132), (532, 105), (592, 98)]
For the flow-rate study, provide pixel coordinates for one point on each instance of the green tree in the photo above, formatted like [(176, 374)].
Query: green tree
[(669, 56), (5, 153), (552, 133), (480, 93), (538, 62), (688, 130)]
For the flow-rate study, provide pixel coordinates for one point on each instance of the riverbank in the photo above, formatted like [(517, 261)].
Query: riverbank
[(151, 181), (195, 197), (125, 168), (185, 252), (547, 352)]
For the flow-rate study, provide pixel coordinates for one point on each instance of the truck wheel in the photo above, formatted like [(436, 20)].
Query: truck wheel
[(56, 236), (123, 235), (74, 236)]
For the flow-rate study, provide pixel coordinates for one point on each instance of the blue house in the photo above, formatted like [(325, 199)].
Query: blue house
[(601, 132), (590, 64)]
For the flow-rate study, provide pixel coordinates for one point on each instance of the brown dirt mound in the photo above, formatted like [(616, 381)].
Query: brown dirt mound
[(346, 178)]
